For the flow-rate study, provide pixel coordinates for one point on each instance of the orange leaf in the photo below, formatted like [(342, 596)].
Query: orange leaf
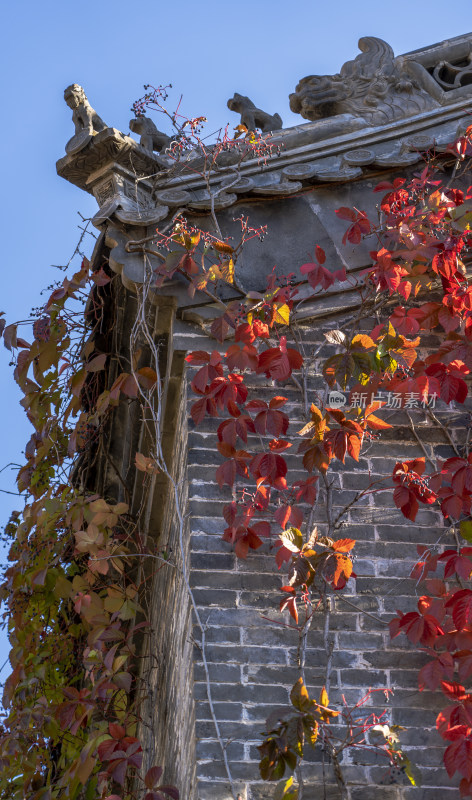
[(147, 377), (343, 545), (144, 464)]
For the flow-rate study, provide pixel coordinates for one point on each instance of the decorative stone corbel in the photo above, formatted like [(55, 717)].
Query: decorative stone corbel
[(119, 194)]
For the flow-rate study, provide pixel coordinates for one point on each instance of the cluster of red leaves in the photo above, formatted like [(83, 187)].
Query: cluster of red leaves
[(424, 233), (428, 231), (442, 626)]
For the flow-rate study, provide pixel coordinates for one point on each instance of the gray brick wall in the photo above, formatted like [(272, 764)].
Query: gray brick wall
[(253, 659)]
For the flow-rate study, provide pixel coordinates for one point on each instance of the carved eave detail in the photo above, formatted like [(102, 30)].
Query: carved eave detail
[(137, 189)]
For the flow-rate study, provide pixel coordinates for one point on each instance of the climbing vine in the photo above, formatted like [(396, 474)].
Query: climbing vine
[(71, 719), (422, 237), (74, 587)]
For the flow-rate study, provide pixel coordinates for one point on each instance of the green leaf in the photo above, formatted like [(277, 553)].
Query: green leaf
[(91, 789), (465, 528), (462, 216), (290, 759), (63, 587), (282, 790)]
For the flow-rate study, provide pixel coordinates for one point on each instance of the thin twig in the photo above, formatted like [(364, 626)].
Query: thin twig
[(421, 444)]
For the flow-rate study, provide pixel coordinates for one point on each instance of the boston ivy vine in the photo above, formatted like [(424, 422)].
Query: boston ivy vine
[(71, 723)]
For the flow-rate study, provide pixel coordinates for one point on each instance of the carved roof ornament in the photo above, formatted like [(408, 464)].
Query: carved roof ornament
[(379, 112), (86, 120), (374, 86), (253, 117), (151, 138)]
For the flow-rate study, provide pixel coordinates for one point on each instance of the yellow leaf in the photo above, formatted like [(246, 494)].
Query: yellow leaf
[(282, 314), (307, 428), (62, 587), (299, 696), (214, 273), (323, 710), (227, 270)]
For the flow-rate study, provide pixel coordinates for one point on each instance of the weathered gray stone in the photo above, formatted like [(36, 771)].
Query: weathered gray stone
[(253, 117), (150, 138), (85, 118), (388, 94)]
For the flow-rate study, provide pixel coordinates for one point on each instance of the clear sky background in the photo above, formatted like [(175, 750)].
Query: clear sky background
[(207, 50)]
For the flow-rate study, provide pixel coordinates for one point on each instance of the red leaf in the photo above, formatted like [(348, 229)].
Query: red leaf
[(153, 775), (147, 377), (338, 570), (454, 690), (269, 467), (219, 328), (320, 254), (201, 408), (278, 362), (461, 604), (431, 675), (290, 603), (170, 791), (420, 628), (306, 491), (282, 555), (346, 213), (458, 758), (288, 514), (100, 278), (115, 730), (198, 357)]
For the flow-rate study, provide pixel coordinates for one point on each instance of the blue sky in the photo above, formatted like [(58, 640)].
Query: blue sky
[(207, 50)]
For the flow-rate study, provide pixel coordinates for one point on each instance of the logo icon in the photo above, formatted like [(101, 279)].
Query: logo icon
[(336, 399)]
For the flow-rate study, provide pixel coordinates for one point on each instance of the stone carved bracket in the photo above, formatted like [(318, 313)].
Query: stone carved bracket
[(109, 146), (119, 194)]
